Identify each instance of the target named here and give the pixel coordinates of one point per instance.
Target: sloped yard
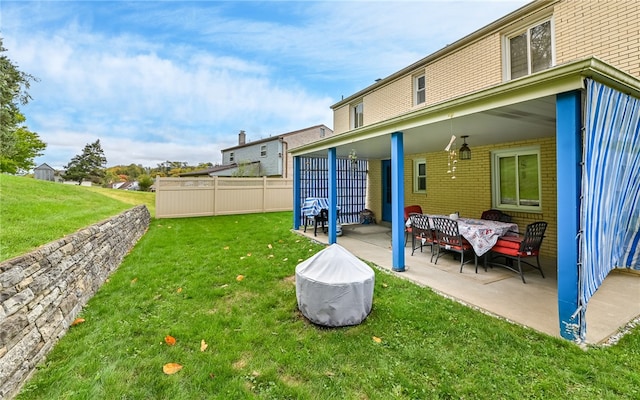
(223, 288)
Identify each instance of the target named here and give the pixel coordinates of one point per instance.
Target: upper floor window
(420, 176)
(530, 51)
(357, 115)
(263, 150)
(516, 181)
(419, 91)
(231, 157)
(322, 133)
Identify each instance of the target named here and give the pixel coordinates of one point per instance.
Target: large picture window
(420, 176)
(530, 51)
(516, 179)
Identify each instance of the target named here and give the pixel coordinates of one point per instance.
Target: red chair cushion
(510, 251)
(511, 242)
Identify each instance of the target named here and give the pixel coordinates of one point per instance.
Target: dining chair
(449, 239)
(491, 215)
(409, 210)
(515, 248)
(422, 235)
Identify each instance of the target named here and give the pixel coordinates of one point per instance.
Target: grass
(182, 280)
(34, 212)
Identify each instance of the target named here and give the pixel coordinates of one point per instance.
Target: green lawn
(228, 281)
(34, 212)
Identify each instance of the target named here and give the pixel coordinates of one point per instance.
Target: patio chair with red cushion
(515, 248)
(449, 239)
(422, 235)
(409, 210)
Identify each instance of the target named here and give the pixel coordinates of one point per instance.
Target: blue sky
(175, 80)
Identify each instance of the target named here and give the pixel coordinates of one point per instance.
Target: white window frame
(231, 156)
(417, 176)
(417, 90)
(506, 45)
(357, 114)
(263, 150)
(496, 155)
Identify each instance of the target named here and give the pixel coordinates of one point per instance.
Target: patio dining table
(482, 234)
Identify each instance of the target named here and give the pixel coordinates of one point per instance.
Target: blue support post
(297, 206)
(397, 201)
(333, 195)
(569, 158)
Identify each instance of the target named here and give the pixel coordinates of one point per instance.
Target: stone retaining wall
(42, 292)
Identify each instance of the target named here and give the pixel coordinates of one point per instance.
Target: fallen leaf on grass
(270, 256)
(171, 368)
(179, 290)
(248, 254)
(377, 339)
(284, 259)
(270, 246)
(384, 285)
(77, 321)
(170, 340)
(203, 345)
(239, 278)
(134, 280)
(226, 247)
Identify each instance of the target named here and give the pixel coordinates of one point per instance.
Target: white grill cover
(334, 287)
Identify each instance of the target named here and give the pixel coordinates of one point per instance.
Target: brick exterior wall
(470, 192)
(473, 182)
(42, 292)
(606, 29)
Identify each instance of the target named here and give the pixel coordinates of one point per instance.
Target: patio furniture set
(493, 236)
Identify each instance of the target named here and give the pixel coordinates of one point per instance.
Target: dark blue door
(386, 190)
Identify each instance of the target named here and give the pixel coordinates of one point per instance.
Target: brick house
(550, 90)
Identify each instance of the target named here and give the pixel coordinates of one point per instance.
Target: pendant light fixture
(465, 151)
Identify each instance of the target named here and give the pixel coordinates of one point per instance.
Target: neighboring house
(271, 154)
(44, 172)
(546, 98)
(126, 185)
(232, 169)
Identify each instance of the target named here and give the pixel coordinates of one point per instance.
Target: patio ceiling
(522, 121)
(513, 111)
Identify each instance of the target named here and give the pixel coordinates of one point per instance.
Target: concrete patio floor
(498, 291)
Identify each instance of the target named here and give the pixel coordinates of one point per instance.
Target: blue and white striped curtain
(610, 208)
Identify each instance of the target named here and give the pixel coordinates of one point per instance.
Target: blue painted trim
(333, 195)
(397, 201)
(569, 157)
(297, 205)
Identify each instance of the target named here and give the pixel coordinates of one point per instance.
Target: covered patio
(587, 115)
(498, 291)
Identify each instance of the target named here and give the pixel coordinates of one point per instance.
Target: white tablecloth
(483, 234)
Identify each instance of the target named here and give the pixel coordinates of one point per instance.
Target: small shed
(44, 172)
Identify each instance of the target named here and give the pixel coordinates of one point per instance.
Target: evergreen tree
(90, 165)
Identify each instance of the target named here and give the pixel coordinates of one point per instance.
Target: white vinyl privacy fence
(196, 197)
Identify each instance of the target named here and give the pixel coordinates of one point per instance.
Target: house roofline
(559, 79)
(498, 24)
(272, 138)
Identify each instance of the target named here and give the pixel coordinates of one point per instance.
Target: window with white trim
(263, 150)
(530, 50)
(357, 115)
(231, 156)
(419, 90)
(516, 183)
(420, 176)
